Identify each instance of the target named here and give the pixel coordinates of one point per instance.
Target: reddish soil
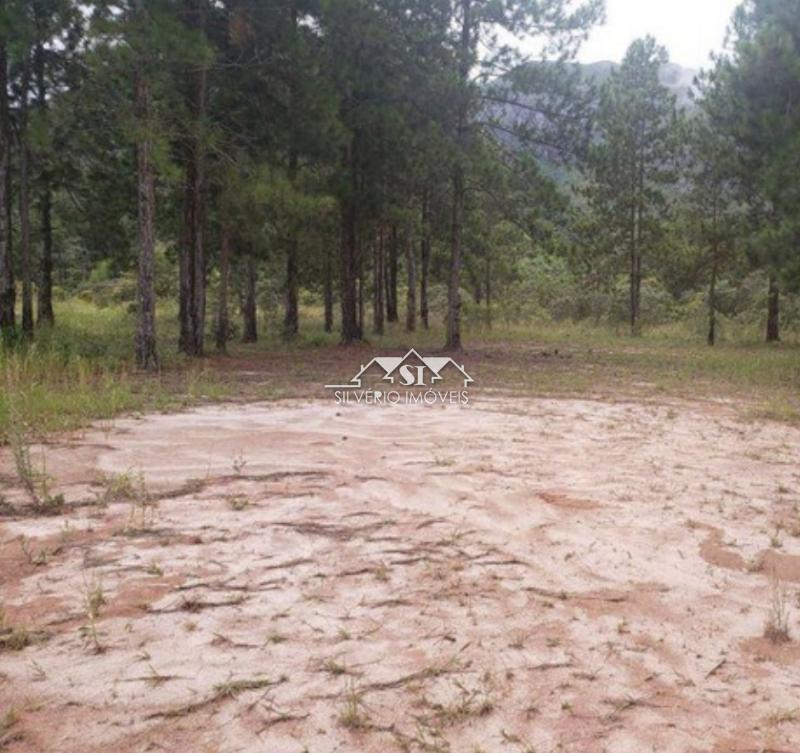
(518, 575)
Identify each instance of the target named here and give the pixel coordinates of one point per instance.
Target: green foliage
(753, 98)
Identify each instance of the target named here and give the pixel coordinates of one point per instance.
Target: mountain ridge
(677, 78)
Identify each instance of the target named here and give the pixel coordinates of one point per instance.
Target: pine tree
(758, 106)
(633, 159)
(712, 206)
(7, 290)
(478, 58)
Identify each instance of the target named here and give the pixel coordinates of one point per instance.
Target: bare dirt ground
(520, 575)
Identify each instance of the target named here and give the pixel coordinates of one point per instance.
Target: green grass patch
(82, 370)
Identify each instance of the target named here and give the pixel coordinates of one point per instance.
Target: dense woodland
(389, 161)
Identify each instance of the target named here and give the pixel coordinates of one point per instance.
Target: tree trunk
(378, 283)
(773, 311)
(635, 270)
(489, 289)
(291, 319)
(7, 319)
(145, 340)
(349, 268)
(249, 308)
(291, 323)
(192, 266)
(425, 261)
(636, 241)
(454, 283)
(457, 218)
(223, 325)
(327, 293)
(712, 301)
(411, 294)
(25, 205)
(635, 292)
(391, 277)
(45, 290)
(361, 284)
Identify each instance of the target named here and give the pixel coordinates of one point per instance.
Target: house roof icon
(391, 364)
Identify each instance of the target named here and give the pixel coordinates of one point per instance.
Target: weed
(353, 715)
(231, 688)
(143, 507)
(120, 487)
(238, 464)
(35, 482)
(93, 600)
(33, 558)
(155, 679)
(777, 627)
(8, 721)
(784, 716)
(334, 668)
(425, 738)
(468, 703)
(37, 671)
(12, 637)
(238, 503)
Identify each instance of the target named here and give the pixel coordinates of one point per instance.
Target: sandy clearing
(519, 575)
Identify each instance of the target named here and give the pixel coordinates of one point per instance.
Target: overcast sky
(689, 29)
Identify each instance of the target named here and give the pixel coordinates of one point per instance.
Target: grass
(82, 370)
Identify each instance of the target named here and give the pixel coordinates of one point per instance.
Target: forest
(236, 163)
(396, 375)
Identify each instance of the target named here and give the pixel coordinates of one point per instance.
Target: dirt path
(527, 575)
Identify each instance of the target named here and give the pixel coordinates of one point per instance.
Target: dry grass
(225, 690)
(777, 627)
(353, 715)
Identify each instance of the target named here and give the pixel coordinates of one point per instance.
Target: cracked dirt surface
(519, 575)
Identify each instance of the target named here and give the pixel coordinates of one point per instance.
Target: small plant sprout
(239, 463)
(93, 600)
(143, 507)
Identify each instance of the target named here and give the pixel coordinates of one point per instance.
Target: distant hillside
(675, 77)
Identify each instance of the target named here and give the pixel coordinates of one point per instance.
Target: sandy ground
(526, 575)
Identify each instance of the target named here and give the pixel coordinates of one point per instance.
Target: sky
(689, 29)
